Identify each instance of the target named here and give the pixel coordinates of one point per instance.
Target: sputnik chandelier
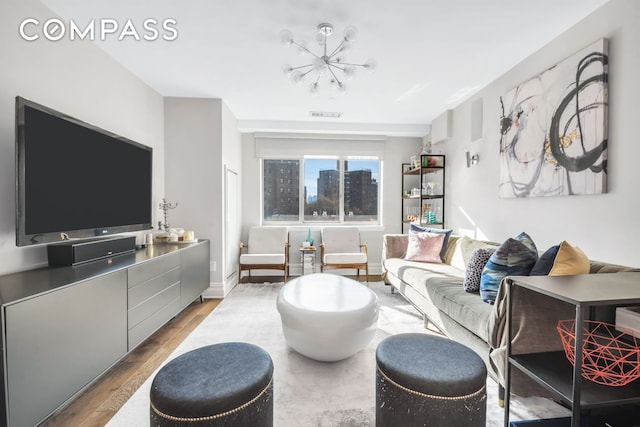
(329, 63)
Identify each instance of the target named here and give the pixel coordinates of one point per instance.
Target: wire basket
(609, 357)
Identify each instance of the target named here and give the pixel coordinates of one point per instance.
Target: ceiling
(430, 54)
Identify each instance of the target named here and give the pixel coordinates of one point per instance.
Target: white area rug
(307, 392)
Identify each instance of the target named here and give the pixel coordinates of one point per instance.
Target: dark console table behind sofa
(63, 327)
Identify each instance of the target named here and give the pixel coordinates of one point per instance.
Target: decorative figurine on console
(165, 206)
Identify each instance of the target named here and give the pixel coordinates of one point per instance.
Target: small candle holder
(165, 206)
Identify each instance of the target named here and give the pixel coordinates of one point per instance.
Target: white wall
(605, 226)
(231, 159)
(200, 138)
(76, 78)
(397, 151)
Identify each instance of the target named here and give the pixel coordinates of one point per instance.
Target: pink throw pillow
(424, 247)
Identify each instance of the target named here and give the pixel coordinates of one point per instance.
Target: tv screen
(76, 180)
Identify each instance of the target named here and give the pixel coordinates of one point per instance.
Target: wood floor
(96, 405)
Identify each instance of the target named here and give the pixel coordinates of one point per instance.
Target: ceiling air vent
(325, 114)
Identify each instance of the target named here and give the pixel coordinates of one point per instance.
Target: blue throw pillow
(515, 257)
(446, 232)
(545, 262)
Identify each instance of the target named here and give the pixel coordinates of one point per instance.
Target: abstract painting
(553, 129)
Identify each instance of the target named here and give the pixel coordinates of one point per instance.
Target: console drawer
(143, 291)
(150, 269)
(152, 323)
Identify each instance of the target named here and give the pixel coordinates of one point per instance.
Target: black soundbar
(74, 252)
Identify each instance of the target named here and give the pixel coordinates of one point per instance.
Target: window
(278, 205)
(321, 190)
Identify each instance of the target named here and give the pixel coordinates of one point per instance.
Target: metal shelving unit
(428, 181)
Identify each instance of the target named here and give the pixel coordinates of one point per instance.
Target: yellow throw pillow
(569, 260)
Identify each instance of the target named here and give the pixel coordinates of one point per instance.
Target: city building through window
(321, 191)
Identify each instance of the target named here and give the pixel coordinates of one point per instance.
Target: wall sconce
(472, 159)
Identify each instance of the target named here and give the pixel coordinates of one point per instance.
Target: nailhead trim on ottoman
(228, 384)
(425, 380)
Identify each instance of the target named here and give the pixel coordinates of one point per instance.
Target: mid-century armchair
(267, 249)
(341, 248)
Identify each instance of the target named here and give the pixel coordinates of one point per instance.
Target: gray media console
(63, 327)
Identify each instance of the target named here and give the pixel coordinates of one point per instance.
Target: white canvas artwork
(553, 129)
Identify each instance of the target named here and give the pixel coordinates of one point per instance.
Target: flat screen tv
(75, 180)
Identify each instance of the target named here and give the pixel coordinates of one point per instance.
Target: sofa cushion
(412, 272)
(345, 258)
(262, 259)
(476, 264)
(446, 232)
(569, 260)
(465, 247)
(424, 246)
(465, 308)
(515, 257)
(442, 284)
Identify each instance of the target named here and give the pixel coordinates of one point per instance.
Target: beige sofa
(436, 291)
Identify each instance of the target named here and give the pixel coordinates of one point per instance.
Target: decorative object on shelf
(309, 239)
(431, 161)
(472, 159)
(415, 162)
(429, 188)
(609, 357)
(329, 62)
(426, 145)
(165, 206)
(553, 129)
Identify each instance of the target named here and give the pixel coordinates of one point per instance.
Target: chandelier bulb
(297, 77)
(286, 37)
(370, 65)
(350, 33)
(349, 71)
(287, 69)
(314, 88)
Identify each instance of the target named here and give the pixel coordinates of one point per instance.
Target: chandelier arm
(301, 66)
(334, 75)
(337, 49)
(337, 67)
(354, 65)
(305, 49)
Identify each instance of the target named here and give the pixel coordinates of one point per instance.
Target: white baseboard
(220, 289)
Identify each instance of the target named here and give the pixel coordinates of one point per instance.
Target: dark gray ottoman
(227, 384)
(425, 380)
